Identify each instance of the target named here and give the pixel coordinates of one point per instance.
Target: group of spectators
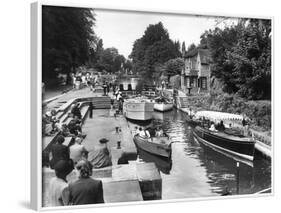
(66, 158)
(80, 80)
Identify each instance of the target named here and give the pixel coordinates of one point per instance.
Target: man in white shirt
(58, 184)
(77, 151)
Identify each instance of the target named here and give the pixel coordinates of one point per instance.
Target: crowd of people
(64, 159)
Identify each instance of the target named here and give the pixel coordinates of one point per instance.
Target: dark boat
(193, 121)
(160, 146)
(235, 144)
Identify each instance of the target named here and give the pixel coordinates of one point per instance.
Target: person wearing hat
(58, 151)
(100, 156)
(58, 184)
(85, 190)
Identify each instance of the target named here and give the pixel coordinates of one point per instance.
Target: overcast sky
(120, 29)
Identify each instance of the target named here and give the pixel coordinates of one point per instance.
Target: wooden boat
(162, 104)
(138, 109)
(160, 146)
(235, 144)
(193, 121)
(163, 107)
(162, 163)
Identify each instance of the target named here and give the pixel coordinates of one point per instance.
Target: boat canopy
(218, 116)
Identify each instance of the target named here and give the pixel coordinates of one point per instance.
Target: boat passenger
(159, 132)
(147, 134)
(142, 133)
(221, 126)
(137, 131)
(213, 128)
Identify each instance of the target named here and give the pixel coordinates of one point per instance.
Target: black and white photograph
(145, 107)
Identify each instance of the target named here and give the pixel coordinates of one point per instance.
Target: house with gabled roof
(195, 76)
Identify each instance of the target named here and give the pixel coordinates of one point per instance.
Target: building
(195, 76)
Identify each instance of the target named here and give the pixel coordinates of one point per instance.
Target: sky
(120, 29)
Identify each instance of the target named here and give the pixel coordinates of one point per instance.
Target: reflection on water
(198, 170)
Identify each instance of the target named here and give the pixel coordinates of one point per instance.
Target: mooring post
(237, 177)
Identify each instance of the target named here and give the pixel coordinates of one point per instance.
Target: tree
(174, 67)
(67, 39)
(241, 57)
(110, 60)
(153, 49)
(251, 60)
(183, 49)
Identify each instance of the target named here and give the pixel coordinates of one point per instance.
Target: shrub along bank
(259, 112)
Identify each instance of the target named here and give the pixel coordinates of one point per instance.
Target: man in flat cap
(100, 156)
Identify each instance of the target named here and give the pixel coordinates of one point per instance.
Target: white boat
(162, 104)
(162, 107)
(138, 109)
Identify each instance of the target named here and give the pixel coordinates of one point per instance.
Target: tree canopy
(67, 38)
(152, 50)
(241, 57)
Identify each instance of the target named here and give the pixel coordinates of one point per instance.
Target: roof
(204, 54)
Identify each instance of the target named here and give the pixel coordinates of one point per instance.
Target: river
(196, 170)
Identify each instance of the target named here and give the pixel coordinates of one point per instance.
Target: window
(204, 83)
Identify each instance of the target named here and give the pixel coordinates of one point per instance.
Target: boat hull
(163, 150)
(193, 122)
(239, 146)
(163, 107)
(140, 111)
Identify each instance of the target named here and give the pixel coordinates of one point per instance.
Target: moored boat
(163, 104)
(193, 121)
(138, 109)
(163, 107)
(160, 146)
(235, 144)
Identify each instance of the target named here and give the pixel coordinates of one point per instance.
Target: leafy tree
(174, 67)
(110, 60)
(251, 60)
(241, 57)
(67, 39)
(153, 49)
